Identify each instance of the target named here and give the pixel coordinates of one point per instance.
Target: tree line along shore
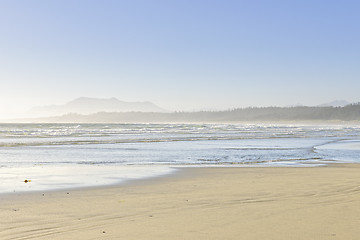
(299, 113)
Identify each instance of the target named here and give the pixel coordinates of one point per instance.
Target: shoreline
(175, 172)
(171, 170)
(197, 203)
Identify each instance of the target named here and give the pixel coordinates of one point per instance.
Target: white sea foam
(52, 151)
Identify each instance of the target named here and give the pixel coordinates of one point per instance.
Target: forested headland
(300, 113)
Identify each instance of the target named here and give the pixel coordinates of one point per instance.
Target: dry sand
(197, 203)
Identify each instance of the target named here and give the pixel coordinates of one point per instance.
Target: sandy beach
(197, 203)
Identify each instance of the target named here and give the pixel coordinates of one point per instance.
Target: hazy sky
(179, 54)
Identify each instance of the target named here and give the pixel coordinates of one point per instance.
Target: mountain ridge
(88, 105)
(336, 103)
(347, 113)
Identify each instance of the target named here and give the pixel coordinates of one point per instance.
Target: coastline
(197, 203)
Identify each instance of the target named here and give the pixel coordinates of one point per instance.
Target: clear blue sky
(179, 54)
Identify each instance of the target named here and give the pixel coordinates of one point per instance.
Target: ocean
(63, 156)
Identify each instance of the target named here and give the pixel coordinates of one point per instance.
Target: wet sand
(197, 203)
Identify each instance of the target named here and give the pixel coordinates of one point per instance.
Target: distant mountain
(85, 105)
(349, 112)
(336, 103)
